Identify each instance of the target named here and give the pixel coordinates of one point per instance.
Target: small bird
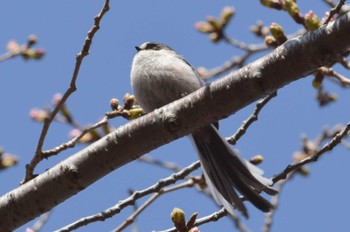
(160, 76)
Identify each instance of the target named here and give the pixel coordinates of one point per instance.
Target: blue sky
(316, 203)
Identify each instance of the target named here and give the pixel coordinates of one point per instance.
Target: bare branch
(254, 117)
(345, 82)
(247, 47)
(335, 10)
(24, 50)
(215, 217)
(239, 61)
(72, 143)
(131, 199)
(327, 147)
(168, 165)
(72, 87)
(131, 218)
(250, 49)
(275, 201)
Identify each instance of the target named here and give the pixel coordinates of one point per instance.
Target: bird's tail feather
(226, 173)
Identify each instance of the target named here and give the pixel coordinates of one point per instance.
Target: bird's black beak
(137, 48)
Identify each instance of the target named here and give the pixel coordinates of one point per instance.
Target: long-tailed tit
(159, 76)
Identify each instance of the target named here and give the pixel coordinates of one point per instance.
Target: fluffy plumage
(159, 76)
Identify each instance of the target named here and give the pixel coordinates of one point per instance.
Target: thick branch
(289, 62)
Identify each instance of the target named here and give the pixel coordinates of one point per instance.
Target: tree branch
(289, 62)
(157, 187)
(252, 118)
(38, 156)
(215, 217)
(132, 217)
(313, 158)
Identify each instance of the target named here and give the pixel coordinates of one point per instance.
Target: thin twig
(72, 87)
(72, 142)
(218, 215)
(307, 146)
(252, 118)
(275, 202)
(313, 158)
(247, 47)
(345, 82)
(335, 10)
(212, 218)
(137, 212)
(20, 51)
(236, 61)
(250, 49)
(167, 165)
(131, 199)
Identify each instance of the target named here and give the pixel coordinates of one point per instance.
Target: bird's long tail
(226, 173)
